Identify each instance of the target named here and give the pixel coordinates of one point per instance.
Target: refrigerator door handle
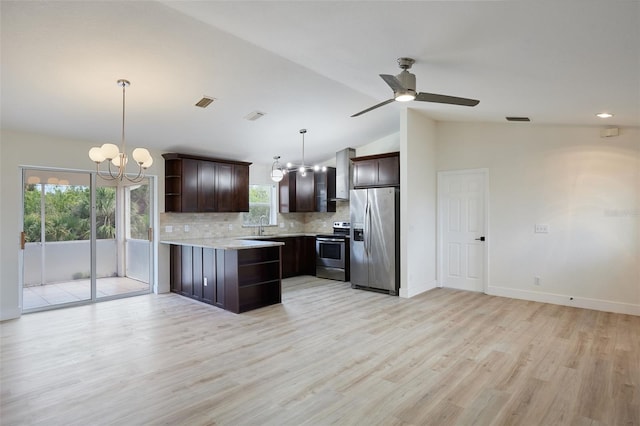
(366, 228)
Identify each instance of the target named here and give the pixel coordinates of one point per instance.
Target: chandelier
(116, 157)
(278, 172)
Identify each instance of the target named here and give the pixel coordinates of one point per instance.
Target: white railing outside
(71, 260)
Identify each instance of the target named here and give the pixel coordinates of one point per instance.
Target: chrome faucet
(261, 226)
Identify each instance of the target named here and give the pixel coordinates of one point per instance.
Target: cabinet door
(175, 259)
(290, 263)
(206, 186)
(389, 171)
(224, 187)
(365, 173)
(305, 192)
(287, 189)
(187, 271)
(308, 263)
(325, 190)
(240, 188)
(197, 273)
(189, 185)
(208, 275)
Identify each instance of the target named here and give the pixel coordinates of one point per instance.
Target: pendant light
(117, 158)
(277, 171)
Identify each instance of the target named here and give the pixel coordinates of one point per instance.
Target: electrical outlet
(541, 228)
(281, 224)
(168, 229)
(230, 227)
(186, 228)
(536, 280)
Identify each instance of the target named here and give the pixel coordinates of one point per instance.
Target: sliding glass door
(84, 239)
(123, 246)
(56, 238)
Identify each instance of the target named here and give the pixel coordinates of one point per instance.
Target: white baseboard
(559, 299)
(417, 288)
(11, 313)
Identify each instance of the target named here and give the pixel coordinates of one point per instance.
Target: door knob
(480, 239)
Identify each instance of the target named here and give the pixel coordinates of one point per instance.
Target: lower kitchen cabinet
(298, 255)
(235, 280)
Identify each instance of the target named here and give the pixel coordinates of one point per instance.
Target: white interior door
(462, 226)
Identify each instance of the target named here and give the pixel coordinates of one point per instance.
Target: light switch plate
(168, 229)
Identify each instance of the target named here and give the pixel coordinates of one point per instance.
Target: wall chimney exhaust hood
(344, 180)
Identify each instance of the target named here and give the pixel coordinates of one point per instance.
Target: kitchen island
(234, 274)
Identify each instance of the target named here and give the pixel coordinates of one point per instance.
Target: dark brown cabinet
(235, 280)
(376, 170)
(312, 192)
(193, 274)
(252, 278)
(200, 184)
(298, 255)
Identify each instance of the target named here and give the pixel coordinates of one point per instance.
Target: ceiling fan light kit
(117, 156)
(404, 90)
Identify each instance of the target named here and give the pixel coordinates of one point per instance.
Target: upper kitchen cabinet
(310, 193)
(376, 170)
(201, 184)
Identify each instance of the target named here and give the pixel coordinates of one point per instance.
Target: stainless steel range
(332, 253)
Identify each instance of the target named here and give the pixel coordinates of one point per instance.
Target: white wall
(27, 149)
(586, 188)
(417, 203)
(390, 143)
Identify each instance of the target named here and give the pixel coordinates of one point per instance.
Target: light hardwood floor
(327, 355)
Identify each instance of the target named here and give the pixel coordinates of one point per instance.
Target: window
(262, 202)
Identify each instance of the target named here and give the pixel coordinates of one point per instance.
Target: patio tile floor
(78, 290)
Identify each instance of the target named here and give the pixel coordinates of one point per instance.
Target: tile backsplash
(222, 225)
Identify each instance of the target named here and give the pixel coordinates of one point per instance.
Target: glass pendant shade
(276, 170)
(140, 155)
(277, 175)
(110, 151)
(96, 154)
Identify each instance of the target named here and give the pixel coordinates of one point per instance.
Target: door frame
(153, 250)
(439, 220)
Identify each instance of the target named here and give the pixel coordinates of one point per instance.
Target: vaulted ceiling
(308, 64)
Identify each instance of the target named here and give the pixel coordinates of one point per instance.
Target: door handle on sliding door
(22, 240)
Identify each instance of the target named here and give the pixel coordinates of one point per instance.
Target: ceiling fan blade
(444, 99)
(393, 82)
(373, 107)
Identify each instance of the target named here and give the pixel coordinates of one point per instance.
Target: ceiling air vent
(253, 116)
(205, 102)
(517, 118)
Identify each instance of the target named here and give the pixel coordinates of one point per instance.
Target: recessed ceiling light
(604, 115)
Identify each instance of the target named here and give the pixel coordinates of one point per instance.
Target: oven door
(330, 252)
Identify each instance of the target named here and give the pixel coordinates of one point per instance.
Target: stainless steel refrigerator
(375, 233)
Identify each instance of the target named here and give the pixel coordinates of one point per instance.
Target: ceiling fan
(404, 89)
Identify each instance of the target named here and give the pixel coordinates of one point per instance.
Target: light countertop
(223, 243)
